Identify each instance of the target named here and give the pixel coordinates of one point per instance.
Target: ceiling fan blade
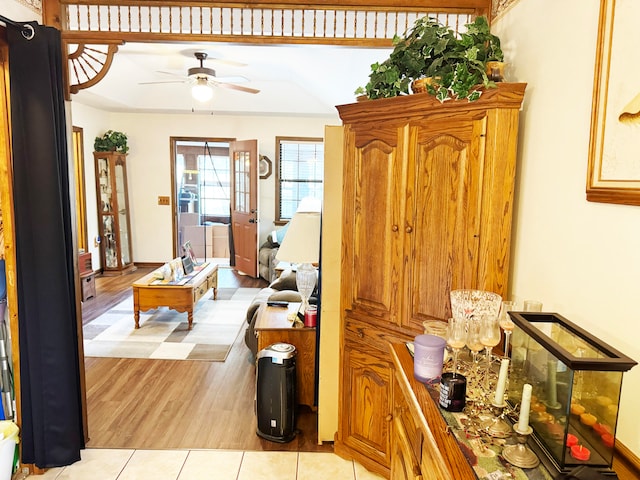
(165, 81)
(231, 79)
(170, 73)
(232, 86)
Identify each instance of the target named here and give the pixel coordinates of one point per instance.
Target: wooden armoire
(427, 208)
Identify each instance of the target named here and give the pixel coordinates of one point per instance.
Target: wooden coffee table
(150, 293)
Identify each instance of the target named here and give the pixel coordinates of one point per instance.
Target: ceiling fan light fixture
(201, 91)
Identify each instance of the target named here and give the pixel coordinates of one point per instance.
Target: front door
(244, 205)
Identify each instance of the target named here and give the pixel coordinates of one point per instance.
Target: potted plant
(464, 72)
(361, 94)
(487, 47)
(450, 66)
(422, 50)
(111, 141)
(387, 80)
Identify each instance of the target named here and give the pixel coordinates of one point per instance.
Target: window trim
(277, 220)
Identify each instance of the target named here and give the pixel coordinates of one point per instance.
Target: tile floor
(126, 464)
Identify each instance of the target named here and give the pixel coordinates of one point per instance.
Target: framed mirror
(265, 166)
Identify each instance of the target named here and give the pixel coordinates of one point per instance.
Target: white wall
(18, 12)
(581, 259)
(149, 165)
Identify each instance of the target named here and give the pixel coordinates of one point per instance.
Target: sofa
(267, 261)
(284, 289)
(267, 253)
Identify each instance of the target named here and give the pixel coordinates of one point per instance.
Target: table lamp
(301, 246)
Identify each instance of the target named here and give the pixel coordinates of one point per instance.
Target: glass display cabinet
(576, 381)
(113, 212)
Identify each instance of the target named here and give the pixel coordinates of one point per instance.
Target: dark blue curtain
(52, 429)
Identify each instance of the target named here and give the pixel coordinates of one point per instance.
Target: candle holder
(519, 454)
(497, 426)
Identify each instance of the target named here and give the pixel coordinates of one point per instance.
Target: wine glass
(473, 339)
(475, 346)
(489, 337)
(456, 337)
(506, 323)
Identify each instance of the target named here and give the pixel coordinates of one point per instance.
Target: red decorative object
(580, 453)
(601, 428)
(571, 440)
(608, 440)
(310, 316)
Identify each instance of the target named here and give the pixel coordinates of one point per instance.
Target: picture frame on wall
(613, 174)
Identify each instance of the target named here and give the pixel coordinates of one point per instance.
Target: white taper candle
(502, 382)
(525, 404)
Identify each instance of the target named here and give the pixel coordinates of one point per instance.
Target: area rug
(164, 333)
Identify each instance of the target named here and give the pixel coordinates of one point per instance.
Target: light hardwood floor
(168, 404)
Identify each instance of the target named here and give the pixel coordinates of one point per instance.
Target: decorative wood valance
(92, 29)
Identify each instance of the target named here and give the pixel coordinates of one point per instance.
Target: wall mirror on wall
(266, 167)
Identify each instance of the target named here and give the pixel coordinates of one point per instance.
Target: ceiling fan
(202, 79)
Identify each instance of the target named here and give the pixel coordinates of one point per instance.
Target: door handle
(252, 220)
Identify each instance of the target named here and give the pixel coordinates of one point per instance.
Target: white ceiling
(293, 80)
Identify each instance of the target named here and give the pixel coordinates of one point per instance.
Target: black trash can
(276, 392)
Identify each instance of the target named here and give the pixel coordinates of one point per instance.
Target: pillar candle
(523, 419)
(571, 440)
(588, 419)
(577, 409)
(580, 453)
(502, 382)
(552, 395)
(608, 440)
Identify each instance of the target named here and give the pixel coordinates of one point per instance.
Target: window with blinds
(300, 172)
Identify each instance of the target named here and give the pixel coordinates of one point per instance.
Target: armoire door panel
(366, 412)
(374, 220)
(497, 199)
(446, 176)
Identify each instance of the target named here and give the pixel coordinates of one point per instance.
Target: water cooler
(276, 392)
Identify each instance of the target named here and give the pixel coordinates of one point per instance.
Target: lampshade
(201, 90)
(309, 204)
(301, 243)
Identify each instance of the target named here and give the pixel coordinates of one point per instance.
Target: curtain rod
(27, 30)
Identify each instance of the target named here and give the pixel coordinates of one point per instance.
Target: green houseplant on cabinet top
(111, 141)
(454, 64)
